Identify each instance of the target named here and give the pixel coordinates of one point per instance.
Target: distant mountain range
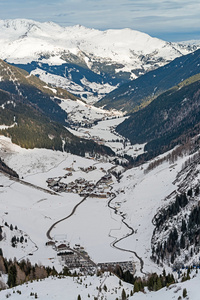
(88, 62)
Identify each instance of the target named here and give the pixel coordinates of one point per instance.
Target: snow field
(88, 288)
(69, 288)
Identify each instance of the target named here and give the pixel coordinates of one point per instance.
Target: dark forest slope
(170, 119)
(138, 93)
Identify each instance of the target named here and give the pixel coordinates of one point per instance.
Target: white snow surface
(104, 132)
(87, 287)
(69, 288)
(85, 114)
(23, 41)
(88, 89)
(94, 225)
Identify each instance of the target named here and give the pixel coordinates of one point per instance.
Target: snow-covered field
(94, 225)
(32, 206)
(88, 288)
(105, 133)
(85, 114)
(69, 288)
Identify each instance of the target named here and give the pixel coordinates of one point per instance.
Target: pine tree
(159, 284)
(183, 226)
(105, 288)
(182, 242)
(136, 287)
(184, 293)
(196, 191)
(12, 275)
(123, 295)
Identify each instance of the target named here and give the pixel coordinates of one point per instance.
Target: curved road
(73, 211)
(129, 234)
(48, 234)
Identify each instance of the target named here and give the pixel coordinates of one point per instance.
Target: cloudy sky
(169, 20)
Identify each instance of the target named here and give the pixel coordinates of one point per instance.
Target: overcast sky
(169, 20)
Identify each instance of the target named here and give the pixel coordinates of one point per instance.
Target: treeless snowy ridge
(25, 40)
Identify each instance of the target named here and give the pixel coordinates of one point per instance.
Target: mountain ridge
(116, 56)
(170, 119)
(31, 115)
(137, 93)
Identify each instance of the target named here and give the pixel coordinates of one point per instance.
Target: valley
(99, 173)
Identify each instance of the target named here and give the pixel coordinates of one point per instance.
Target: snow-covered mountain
(68, 196)
(90, 56)
(27, 40)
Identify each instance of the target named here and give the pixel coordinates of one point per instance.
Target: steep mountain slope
(20, 83)
(168, 120)
(110, 57)
(139, 92)
(76, 79)
(31, 116)
(175, 239)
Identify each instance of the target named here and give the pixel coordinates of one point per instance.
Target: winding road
(113, 244)
(48, 234)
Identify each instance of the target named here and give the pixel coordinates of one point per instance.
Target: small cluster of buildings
(81, 186)
(88, 169)
(76, 258)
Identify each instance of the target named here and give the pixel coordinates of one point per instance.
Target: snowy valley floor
(94, 225)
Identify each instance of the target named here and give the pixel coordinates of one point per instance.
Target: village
(76, 257)
(81, 186)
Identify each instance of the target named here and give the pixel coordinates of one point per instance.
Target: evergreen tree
(21, 239)
(12, 276)
(184, 293)
(105, 288)
(183, 226)
(158, 284)
(182, 242)
(136, 287)
(123, 295)
(196, 191)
